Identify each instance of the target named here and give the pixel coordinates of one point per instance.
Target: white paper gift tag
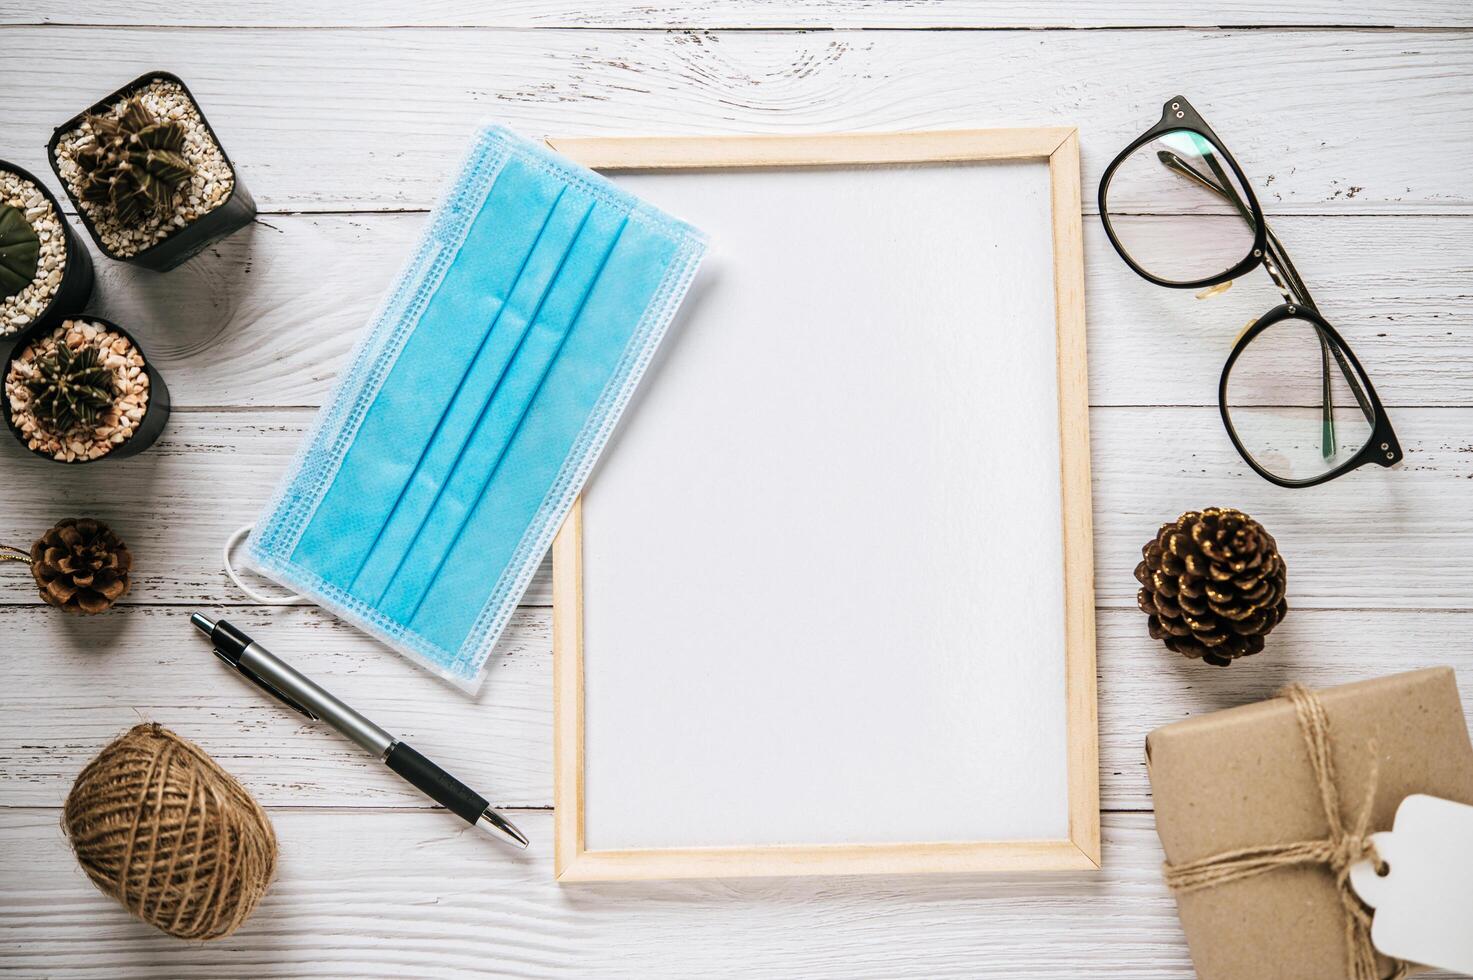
(1424, 902)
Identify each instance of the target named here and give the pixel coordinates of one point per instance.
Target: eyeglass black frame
(1382, 448)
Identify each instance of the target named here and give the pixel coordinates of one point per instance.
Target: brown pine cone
(81, 566)
(1213, 585)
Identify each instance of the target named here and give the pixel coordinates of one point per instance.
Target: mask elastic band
(292, 599)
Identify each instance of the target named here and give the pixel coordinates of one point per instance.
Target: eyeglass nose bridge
(1277, 276)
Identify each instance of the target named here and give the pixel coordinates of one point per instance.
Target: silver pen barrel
(264, 664)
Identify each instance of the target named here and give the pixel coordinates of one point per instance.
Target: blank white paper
(823, 559)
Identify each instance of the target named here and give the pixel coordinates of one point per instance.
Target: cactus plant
(71, 387)
(20, 250)
(134, 162)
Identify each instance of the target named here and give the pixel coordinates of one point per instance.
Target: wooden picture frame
(1080, 849)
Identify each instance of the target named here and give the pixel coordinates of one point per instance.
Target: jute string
(1341, 849)
(160, 827)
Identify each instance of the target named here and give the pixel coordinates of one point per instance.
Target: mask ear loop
(291, 599)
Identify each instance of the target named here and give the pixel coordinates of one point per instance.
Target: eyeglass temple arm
(1279, 257)
(1290, 284)
(1293, 289)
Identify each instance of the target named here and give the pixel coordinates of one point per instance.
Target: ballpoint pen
(287, 685)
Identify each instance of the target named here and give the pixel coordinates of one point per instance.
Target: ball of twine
(160, 827)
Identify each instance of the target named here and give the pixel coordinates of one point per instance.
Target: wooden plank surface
(752, 14)
(75, 685)
(461, 907)
(1395, 286)
(344, 118)
(319, 119)
(1398, 538)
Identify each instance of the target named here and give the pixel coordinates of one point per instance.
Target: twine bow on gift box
(1341, 849)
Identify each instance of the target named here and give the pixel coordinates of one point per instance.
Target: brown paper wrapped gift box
(1242, 778)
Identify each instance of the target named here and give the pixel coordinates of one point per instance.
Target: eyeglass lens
(1296, 403)
(1177, 209)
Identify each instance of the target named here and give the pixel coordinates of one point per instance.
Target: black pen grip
(436, 783)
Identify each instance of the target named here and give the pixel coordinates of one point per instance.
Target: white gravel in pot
(208, 188)
(20, 310)
(115, 427)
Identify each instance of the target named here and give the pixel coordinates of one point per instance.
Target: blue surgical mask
(438, 473)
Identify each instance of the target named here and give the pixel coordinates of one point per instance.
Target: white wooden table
(1355, 121)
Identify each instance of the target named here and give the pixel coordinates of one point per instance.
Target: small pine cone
(81, 566)
(1213, 585)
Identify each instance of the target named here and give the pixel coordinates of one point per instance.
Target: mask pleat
(470, 415)
(592, 364)
(418, 390)
(502, 416)
(490, 372)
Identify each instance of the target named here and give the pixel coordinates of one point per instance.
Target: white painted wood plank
(75, 685)
(175, 505)
(354, 119)
(752, 14)
(390, 895)
(370, 119)
(403, 894)
(1376, 538)
(263, 318)
(88, 681)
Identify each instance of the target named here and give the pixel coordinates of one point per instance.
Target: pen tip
(202, 624)
(501, 828)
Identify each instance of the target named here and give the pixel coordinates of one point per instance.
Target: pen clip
(265, 686)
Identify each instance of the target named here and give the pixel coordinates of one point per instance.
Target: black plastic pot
(75, 290)
(237, 210)
(149, 427)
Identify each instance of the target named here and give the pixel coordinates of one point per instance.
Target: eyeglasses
(1295, 400)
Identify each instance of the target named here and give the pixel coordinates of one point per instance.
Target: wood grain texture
(567, 691)
(782, 861)
(461, 906)
(1080, 688)
(1399, 538)
(319, 120)
(77, 684)
(431, 903)
(638, 153)
(91, 679)
(747, 14)
(1396, 287)
(360, 119)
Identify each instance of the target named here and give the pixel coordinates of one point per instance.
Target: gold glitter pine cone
(1213, 584)
(81, 566)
